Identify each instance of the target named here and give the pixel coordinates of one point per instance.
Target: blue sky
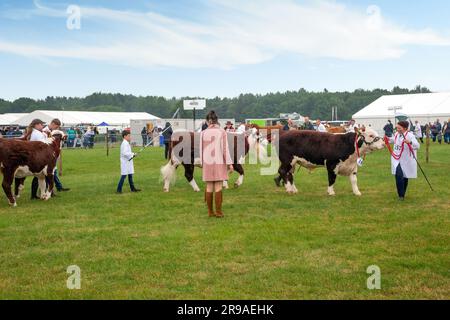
(221, 48)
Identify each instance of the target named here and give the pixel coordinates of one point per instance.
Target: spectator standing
(388, 129)
(320, 126)
(167, 134)
(446, 131)
(308, 125)
(144, 135)
(418, 131)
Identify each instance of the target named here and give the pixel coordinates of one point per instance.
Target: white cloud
(235, 33)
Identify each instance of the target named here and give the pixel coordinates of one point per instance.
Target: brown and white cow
(239, 145)
(20, 159)
(338, 153)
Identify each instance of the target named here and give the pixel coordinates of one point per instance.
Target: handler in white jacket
(403, 160)
(126, 163)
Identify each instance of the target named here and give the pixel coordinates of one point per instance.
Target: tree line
(313, 104)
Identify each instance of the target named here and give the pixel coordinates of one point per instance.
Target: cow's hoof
(236, 185)
(358, 194)
(332, 194)
(166, 190)
(13, 204)
(196, 190)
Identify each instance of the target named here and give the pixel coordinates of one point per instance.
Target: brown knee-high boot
(219, 213)
(209, 202)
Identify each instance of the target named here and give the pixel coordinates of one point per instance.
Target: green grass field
(270, 245)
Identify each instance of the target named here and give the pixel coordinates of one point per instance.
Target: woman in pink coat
(215, 162)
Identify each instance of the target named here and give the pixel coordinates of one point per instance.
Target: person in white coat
(35, 133)
(404, 155)
(126, 163)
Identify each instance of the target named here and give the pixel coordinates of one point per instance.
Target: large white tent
(424, 107)
(11, 118)
(73, 118)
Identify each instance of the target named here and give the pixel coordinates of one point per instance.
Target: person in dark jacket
(167, 134)
(389, 129)
(144, 136)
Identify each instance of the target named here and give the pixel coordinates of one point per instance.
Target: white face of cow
(372, 141)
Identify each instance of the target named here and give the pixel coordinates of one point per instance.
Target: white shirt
(407, 161)
(126, 165)
(241, 128)
(321, 128)
(37, 135)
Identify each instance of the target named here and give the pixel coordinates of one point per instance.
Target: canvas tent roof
(69, 118)
(10, 118)
(413, 105)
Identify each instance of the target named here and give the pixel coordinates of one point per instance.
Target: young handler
(126, 163)
(404, 165)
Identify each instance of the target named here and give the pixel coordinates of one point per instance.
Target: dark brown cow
(338, 153)
(20, 159)
(238, 153)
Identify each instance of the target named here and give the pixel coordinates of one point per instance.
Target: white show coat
(126, 165)
(407, 161)
(37, 135)
(321, 128)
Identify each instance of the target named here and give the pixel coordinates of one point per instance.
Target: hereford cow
(20, 159)
(239, 144)
(338, 153)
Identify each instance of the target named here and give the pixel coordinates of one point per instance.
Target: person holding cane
(404, 155)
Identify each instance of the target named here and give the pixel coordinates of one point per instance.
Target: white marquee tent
(424, 107)
(72, 118)
(10, 118)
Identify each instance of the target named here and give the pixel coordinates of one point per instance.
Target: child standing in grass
(126, 163)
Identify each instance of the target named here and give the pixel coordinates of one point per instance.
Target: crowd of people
(438, 132)
(10, 132)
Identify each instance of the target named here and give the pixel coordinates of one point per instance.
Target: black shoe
(63, 189)
(401, 198)
(35, 198)
(118, 192)
(136, 190)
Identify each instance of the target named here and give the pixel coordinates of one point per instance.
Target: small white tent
(424, 107)
(73, 118)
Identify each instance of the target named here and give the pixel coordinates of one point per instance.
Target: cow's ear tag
(360, 162)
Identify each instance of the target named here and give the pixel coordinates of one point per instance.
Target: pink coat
(215, 154)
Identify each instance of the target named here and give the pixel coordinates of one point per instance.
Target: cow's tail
(168, 175)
